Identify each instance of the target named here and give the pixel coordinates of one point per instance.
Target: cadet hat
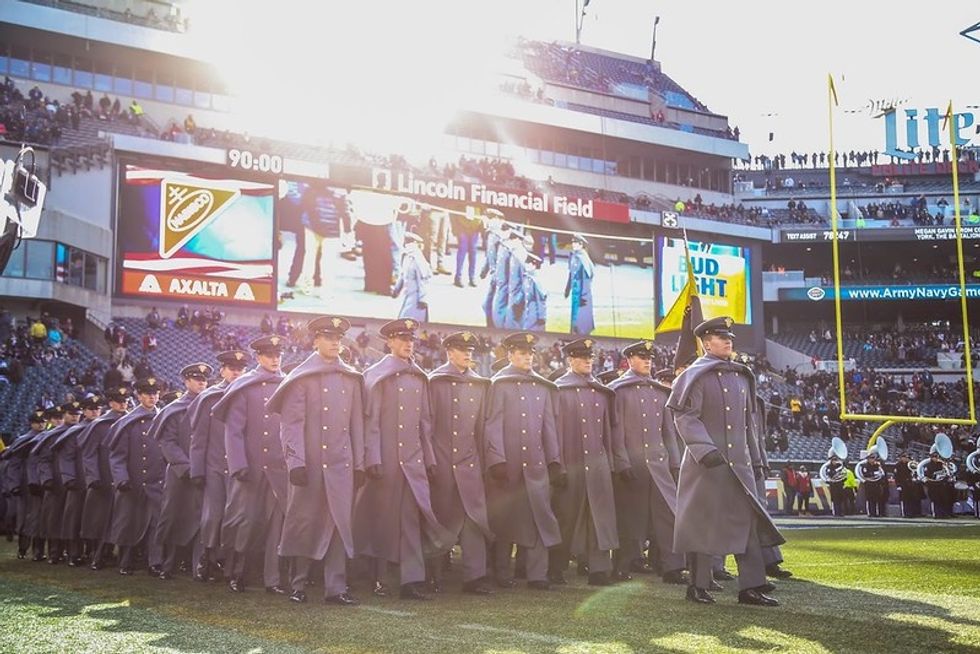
(198, 371)
(664, 375)
(233, 358)
(498, 365)
(336, 325)
(119, 394)
(148, 385)
(401, 327)
(268, 344)
(607, 376)
(171, 396)
(520, 341)
(411, 237)
(642, 349)
(54, 412)
(555, 374)
(93, 402)
(580, 348)
(578, 238)
(720, 326)
(74, 408)
(461, 341)
(37, 417)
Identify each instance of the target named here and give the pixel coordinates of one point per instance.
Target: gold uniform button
(524, 447)
(324, 465)
(324, 429)
(323, 447)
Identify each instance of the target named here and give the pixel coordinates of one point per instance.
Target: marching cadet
(413, 279)
(535, 299)
(49, 474)
(516, 268)
(393, 518)
(585, 506)
(494, 235)
(646, 505)
(93, 443)
(208, 463)
(523, 461)
(718, 509)
(137, 469)
(15, 476)
(55, 417)
(578, 287)
(257, 494)
(69, 461)
(501, 271)
(180, 510)
(322, 415)
(457, 396)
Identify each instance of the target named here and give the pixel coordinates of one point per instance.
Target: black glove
(71, 485)
(358, 479)
(498, 472)
(241, 475)
(713, 459)
(558, 478)
(124, 486)
(375, 472)
(297, 476)
(627, 476)
(430, 472)
(15, 491)
(185, 475)
(197, 482)
(48, 485)
(35, 489)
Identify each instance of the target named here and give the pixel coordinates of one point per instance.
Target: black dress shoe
(21, 554)
(778, 573)
(38, 558)
(379, 589)
(476, 587)
(622, 576)
(766, 588)
(505, 583)
(674, 577)
(298, 597)
(557, 579)
(166, 576)
(275, 590)
(154, 570)
(699, 595)
(722, 575)
(96, 565)
(539, 585)
(126, 572)
(715, 586)
(756, 598)
(599, 579)
(54, 560)
(582, 569)
(411, 592)
(75, 562)
(237, 585)
(344, 599)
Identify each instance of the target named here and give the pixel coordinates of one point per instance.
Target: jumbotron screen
(194, 237)
(722, 273)
(438, 253)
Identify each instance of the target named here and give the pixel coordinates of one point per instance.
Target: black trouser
(837, 498)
